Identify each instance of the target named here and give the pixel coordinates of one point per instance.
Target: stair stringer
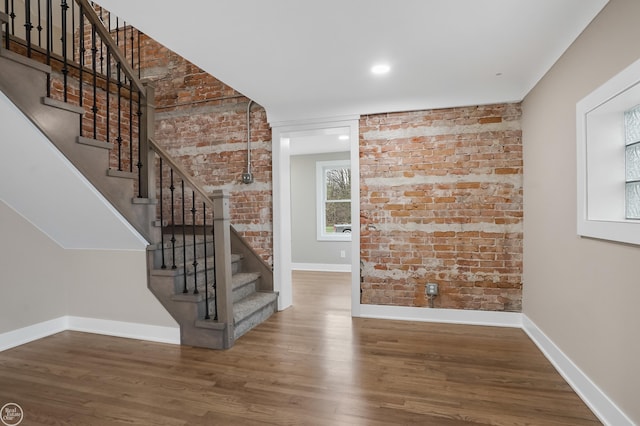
(24, 82)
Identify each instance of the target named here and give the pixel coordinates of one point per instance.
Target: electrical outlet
(432, 289)
(343, 254)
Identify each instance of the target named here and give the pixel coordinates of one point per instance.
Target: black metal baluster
(131, 37)
(39, 27)
(173, 223)
(206, 272)
(119, 138)
(81, 58)
(124, 38)
(73, 26)
(164, 266)
(49, 42)
(7, 29)
(118, 66)
(28, 26)
(124, 23)
(94, 69)
(12, 15)
(139, 115)
(184, 242)
(124, 49)
(101, 49)
(139, 55)
(131, 128)
(195, 254)
(215, 284)
(108, 95)
(65, 68)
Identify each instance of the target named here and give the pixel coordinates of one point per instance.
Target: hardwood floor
(311, 364)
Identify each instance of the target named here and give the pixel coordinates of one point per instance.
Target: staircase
(200, 269)
(174, 287)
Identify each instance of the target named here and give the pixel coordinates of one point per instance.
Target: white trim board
(152, 333)
(129, 330)
(599, 403)
(24, 335)
(321, 267)
(451, 316)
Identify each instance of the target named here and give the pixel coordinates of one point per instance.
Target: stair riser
(200, 276)
(236, 264)
(202, 337)
(244, 291)
(180, 253)
(238, 293)
(255, 319)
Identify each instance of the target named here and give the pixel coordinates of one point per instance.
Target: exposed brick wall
(441, 201)
(202, 123)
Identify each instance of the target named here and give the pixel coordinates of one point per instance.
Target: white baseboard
(129, 330)
(321, 267)
(452, 316)
(605, 409)
(18, 337)
(152, 333)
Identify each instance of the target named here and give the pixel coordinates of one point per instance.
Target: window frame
(321, 168)
(601, 169)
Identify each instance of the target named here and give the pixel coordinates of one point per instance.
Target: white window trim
(601, 171)
(321, 167)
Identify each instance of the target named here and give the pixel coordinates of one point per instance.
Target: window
(608, 147)
(333, 179)
(632, 162)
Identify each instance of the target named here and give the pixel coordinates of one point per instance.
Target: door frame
(282, 133)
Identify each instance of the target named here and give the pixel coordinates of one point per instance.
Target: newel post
(147, 131)
(222, 241)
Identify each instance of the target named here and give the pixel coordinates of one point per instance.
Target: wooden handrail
(106, 38)
(184, 175)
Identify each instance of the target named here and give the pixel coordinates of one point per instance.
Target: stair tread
(241, 278)
(246, 307)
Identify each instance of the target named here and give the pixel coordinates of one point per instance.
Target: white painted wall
(42, 281)
(582, 293)
(32, 282)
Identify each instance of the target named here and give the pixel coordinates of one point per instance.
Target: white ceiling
(305, 60)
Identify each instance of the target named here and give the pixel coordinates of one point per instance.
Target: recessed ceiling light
(380, 69)
(343, 137)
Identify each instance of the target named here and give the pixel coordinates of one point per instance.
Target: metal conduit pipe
(248, 177)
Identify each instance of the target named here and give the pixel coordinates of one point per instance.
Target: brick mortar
(441, 201)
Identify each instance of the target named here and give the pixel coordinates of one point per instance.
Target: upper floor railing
(95, 64)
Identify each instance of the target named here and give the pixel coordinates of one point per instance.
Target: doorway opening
(305, 235)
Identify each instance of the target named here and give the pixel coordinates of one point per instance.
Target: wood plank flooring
(309, 365)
